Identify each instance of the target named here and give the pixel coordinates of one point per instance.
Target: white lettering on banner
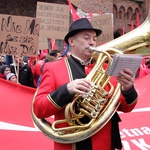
(134, 132)
(146, 130)
(126, 145)
(140, 144)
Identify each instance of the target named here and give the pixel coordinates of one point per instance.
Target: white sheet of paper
(124, 61)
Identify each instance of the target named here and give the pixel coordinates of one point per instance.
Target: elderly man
(64, 78)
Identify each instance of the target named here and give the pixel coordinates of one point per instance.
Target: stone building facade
(124, 11)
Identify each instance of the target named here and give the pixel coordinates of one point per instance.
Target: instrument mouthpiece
(92, 48)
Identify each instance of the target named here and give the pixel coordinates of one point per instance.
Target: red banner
(17, 131)
(135, 126)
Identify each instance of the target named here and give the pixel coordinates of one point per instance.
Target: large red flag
(73, 12)
(135, 126)
(17, 131)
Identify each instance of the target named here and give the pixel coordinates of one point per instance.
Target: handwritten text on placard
(19, 35)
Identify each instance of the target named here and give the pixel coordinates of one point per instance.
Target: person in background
(25, 73)
(55, 53)
(4, 70)
(11, 77)
(42, 56)
(147, 62)
(63, 79)
(48, 58)
(144, 68)
(2, 60)
(34, 64)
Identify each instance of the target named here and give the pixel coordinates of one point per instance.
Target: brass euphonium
(98, 104)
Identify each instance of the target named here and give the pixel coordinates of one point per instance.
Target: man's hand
(126, 79)
(79, 86)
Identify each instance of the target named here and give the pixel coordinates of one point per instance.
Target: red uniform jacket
(52, 96)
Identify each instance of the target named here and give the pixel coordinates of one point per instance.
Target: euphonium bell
(98, 104)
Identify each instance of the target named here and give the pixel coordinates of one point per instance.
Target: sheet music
(122, 61)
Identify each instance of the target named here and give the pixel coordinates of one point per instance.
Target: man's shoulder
(57, 65)
(56, 62)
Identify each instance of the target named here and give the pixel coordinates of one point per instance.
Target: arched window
(137, 17)
(122, 13)
(136, 12)
(129, 13)
(115, 11)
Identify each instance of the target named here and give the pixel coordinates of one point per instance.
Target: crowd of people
(26, 70)
(30, 68)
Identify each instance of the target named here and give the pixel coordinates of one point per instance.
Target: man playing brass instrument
(62, 79)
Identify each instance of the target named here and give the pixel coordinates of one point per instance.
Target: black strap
(84, 145)
(116, 140)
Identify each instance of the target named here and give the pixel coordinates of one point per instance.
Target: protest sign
(43, 43)
(19, 35)
(105, 23)
(54, 20)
